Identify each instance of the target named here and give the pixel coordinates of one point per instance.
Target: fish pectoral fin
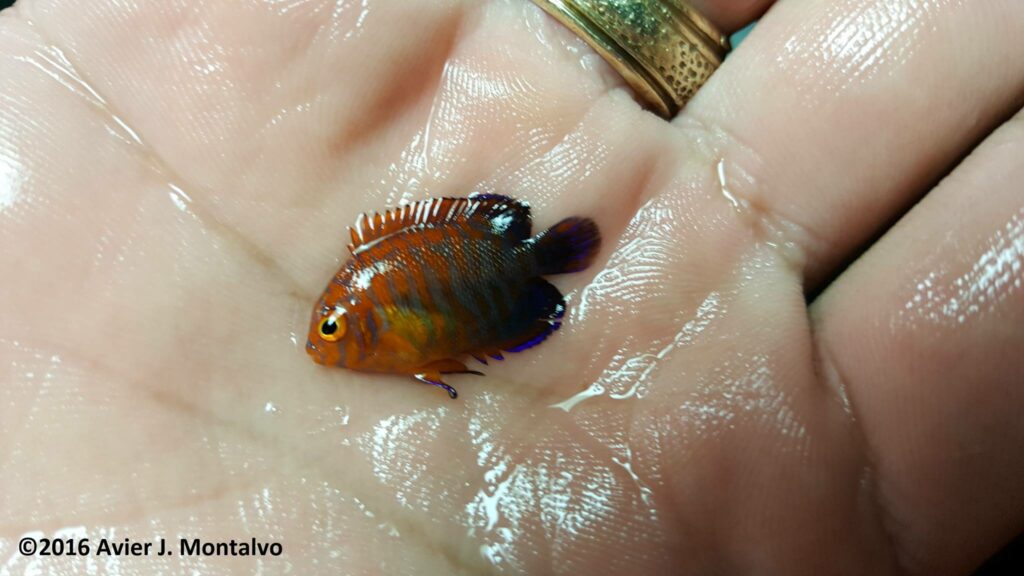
(434, 379)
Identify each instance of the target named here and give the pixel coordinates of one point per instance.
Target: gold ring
(664, 49)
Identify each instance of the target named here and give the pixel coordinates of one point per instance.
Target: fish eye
(330, 329)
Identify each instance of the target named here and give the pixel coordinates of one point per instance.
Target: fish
(437, 280)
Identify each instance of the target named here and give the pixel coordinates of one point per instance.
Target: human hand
(175, 183)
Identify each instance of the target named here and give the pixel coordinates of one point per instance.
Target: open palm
(176, 179)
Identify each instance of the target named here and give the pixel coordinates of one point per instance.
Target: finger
(924, 332)
(833, 116)
(731, 15)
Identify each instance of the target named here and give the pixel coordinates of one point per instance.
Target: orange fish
(438, 279)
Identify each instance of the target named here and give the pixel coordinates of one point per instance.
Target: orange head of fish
(333, 327)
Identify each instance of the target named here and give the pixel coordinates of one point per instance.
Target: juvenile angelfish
(436, 280)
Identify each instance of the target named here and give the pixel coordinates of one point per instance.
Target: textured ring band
(664, 49)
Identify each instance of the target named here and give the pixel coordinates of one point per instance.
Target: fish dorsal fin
(504, 215)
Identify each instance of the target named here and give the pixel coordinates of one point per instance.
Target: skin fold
(176, 179)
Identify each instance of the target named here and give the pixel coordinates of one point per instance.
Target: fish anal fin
(538, 332)
(545, 306)
(502, 214)
(482, 354)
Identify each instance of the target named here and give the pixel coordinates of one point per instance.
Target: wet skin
(175, 183)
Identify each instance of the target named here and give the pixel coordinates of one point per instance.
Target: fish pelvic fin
(433, 374)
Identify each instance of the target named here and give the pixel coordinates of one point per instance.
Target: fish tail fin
(569, 246)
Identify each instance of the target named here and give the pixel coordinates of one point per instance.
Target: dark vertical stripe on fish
(442, 302)
(456, 288)
(364, 332)
(371, 325)
(426, 297)
(483, 290)
(409, 291)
